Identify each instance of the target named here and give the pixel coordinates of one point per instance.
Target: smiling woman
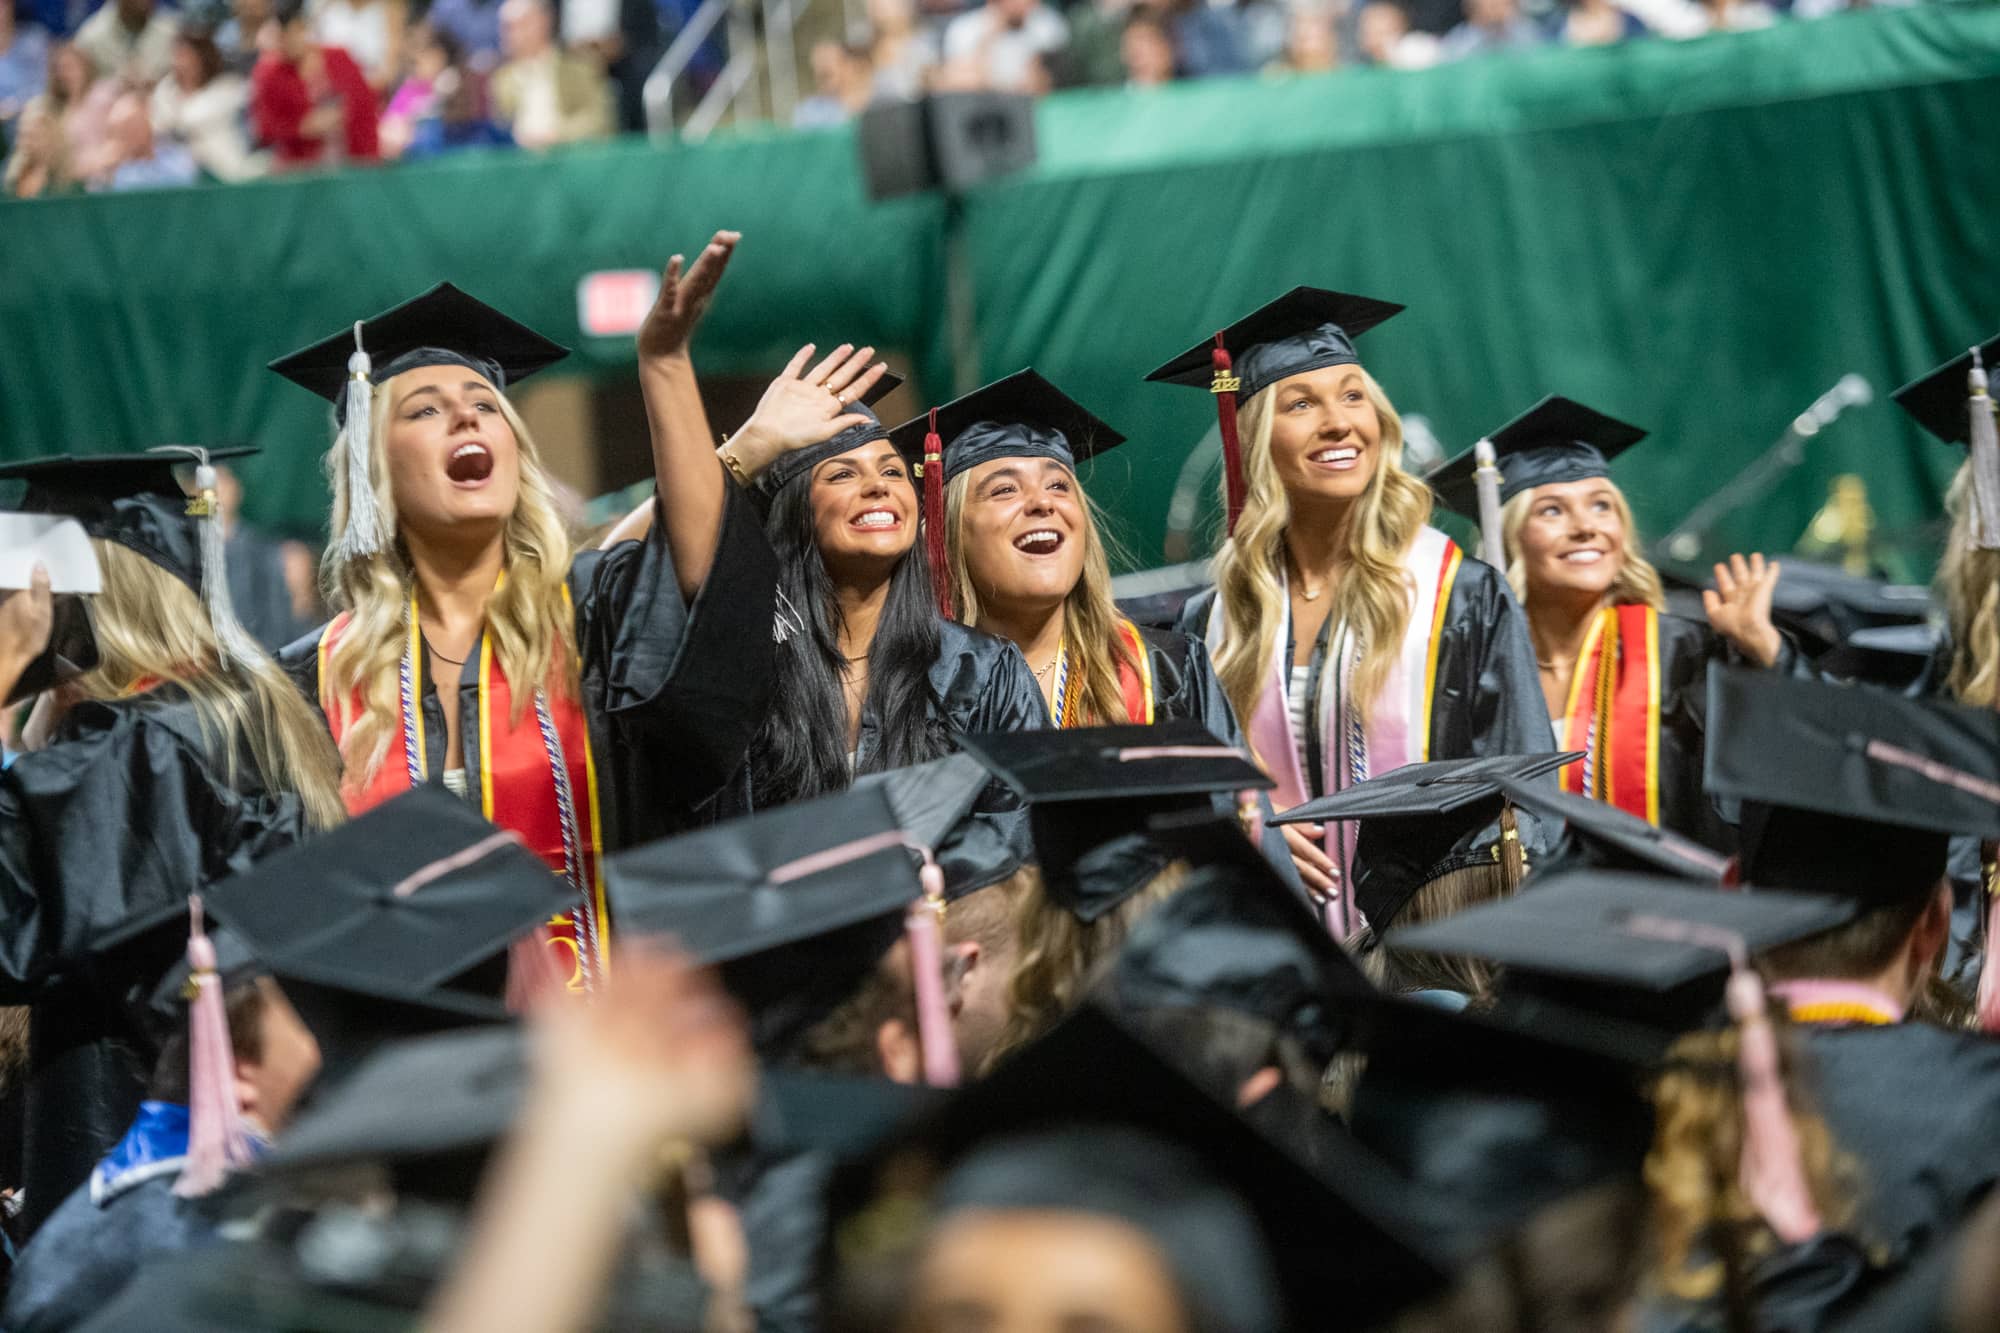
(1624, 681)
(1351, 637)
(586, 701)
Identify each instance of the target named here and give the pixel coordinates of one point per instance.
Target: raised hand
(1739, 606)
(25, 618)
(684, 298)
(804, 407)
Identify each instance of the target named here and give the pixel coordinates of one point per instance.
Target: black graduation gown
(1686, 649)
(672, 690)
(1488, 694)
(121, 814)
(980, 684)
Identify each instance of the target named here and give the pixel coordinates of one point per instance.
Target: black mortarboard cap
(971, 823)
(1613, 839)
(798, 462)
(1585, 931)
(1890, 655)
(441, 327)
(395, 923)
(1091, 1118)
(1021, 416)
(1308, 328)
(1556, 440)
(1236, 937)
(1422, 821)
(1094, 792)
(793, 948)
(135, 500)
(1938, 398)
(1849, 790)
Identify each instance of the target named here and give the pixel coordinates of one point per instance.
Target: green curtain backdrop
(1698, 236)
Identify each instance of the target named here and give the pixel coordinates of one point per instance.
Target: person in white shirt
(1002, 45)
(129, 39)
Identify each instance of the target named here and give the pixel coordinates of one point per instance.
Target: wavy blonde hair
(1638, 583)
(533, 627)
(1057, 956)
(1374, 594)
(151, 626)
(1090, 617)
(1968, 579)
(1694, 1170)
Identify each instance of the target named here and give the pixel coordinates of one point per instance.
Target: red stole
(520, 787)
(1614, 712)
(1135, 683)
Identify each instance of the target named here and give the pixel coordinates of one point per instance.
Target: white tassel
(1486, 480)
(1984, 460)
(365, 533)
(232, 642)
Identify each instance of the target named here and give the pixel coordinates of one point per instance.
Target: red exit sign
(613, 304)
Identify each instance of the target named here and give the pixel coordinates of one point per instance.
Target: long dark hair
(802, 750)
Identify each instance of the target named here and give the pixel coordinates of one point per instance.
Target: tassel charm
(1225, 387)
(217, 1143)
(1983, 459)
(365, 531)
(934, 543)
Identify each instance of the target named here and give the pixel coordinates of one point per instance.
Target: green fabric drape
(1696, 236)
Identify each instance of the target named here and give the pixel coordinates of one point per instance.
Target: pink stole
(1399, 725)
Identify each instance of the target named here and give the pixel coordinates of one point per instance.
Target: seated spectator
(901, 54)
(137, 158)
(1094, 56)
(1207, 41)
(129, 39)
(1735, 16)
(1148, 51)
(39, 165)
(459, 119)
(78, 103)
(432, 59)
(1490, 25)
(474, 25)
(543, 94)
(626, 40)
(24, 62)
(1003, 45)
(1597, 23)
(843, 84)
(369, 30)
(202, 105)
(1311, 44)
(1384, 37)
(236, 36)
(307, 101)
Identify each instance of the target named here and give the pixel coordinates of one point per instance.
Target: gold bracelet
(734, 465)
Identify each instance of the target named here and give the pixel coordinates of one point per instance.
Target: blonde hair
(1374, 594)
(1694, 1170)
(534, 635)
(1056, 956)
(1090, 617)
(150, 626)
(1449, 894)
(1968, 580)
(1637, 584)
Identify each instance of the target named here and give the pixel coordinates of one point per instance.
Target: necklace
(453, 661)
(1042, 673)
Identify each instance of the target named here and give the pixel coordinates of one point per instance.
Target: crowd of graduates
(816, 903)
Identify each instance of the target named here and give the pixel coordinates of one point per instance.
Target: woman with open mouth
(1350, 636)
(1624, 682)
(588, 701)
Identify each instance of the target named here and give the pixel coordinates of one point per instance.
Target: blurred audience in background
(246, 85)
(545, 95)
(134, 158)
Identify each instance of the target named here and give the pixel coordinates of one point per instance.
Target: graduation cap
(1308, 328)
(1612, 839)
(1938, 399)
(1093, 1119)
(797, 905)
(441, 327)
(1093, 794)
(1556, 440)
(953, 806)
(1021, 416)
(1890, 655)
(1849, 790)
(395, 923)
(798, 462)
(1590, 940)
(1423, 821)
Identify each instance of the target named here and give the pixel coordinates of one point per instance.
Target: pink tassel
(925, 928)
(1773, 1169)
(217, 1143)
(1986, 1013)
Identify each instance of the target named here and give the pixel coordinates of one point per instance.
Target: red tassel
(1224, 387)
(934, 546)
